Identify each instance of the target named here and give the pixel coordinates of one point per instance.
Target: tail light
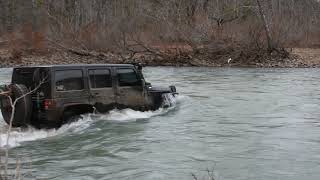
(49, 103)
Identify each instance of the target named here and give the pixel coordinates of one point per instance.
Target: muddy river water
(241, 124)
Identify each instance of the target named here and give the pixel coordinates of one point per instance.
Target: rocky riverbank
(298, 57)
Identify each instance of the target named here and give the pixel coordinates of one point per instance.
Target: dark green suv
(57, 93)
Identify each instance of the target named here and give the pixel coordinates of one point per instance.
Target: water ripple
(246, 123)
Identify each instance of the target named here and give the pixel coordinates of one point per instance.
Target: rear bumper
(46, 119)
(53, 115)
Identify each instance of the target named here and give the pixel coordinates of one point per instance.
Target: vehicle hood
(159, 89)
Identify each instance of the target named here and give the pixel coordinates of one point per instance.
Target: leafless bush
(4, 165)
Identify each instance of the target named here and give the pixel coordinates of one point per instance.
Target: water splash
(126, 115)
(19, 136)
(169, 104)
(169, 100)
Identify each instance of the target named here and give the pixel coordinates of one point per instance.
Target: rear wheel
(23, 108)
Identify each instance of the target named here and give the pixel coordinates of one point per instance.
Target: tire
(23, 108)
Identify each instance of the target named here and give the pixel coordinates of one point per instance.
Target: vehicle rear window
(24, 76)
(69, 80)
(100, 78)
(127, 77)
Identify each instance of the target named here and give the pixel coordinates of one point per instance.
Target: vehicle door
(102, 95)
(129, 90)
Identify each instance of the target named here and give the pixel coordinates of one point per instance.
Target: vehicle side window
(100, 78)
(127, 77)
(69, 80)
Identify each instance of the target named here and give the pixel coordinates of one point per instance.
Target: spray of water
(19, 136)
(169, 100)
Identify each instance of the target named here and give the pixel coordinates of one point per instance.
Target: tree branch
(13, 105)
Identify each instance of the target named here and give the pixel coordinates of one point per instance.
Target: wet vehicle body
(62, 92)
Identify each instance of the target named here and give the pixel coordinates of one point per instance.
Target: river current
(241, 124)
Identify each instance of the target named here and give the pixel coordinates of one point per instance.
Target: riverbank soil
(310, 56)
(298, 57)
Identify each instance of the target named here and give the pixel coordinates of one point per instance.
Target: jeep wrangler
(52, 95)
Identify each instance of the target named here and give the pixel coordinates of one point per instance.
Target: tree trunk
(10, 16)
(3, 16)
(266, 27)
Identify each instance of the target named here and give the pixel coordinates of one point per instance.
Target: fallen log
(78, 52)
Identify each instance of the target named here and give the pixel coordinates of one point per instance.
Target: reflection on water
(245, 123)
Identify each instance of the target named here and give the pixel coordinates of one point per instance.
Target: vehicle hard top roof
(76, 65)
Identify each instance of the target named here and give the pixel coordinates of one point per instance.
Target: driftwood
(78, 52)
(132, 44)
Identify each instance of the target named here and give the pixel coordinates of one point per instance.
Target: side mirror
(142, 82)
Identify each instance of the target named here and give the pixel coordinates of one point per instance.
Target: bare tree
(98, 26)
(13, 102)
(266, 26)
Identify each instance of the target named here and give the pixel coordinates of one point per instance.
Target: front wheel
(168, 100)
